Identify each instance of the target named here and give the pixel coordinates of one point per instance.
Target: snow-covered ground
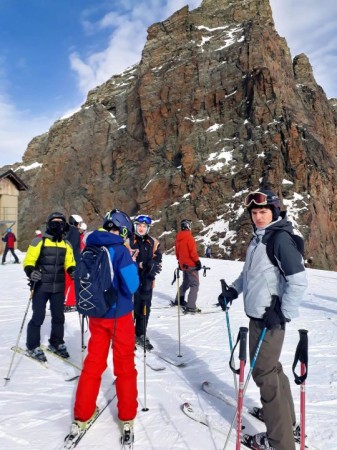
(36, 404)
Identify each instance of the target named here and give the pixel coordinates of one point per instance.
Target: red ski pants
(120, 333)
(69, 292)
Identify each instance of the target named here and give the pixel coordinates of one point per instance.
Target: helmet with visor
(264, 198)
(142, 219)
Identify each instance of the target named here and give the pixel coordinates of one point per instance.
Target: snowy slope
(36, 404)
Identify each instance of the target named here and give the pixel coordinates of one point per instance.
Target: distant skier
(10, 240)
(208, 252)
(82, 229)
(271, 298)
(73, 236)
(189, 263)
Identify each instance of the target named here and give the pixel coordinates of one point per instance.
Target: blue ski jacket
(125, 279)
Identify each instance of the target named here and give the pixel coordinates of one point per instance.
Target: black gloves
(35, 275)
(230, 295)
(71, 272)
(198, 265)
(273, 315)
(154, 268)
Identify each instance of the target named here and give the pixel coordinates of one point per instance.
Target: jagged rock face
(215, 108)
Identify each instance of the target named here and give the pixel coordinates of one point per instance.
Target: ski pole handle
(243, 344)
(301, 355)
(205, 269)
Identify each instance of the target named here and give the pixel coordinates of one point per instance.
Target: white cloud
(310, 27)
(126, 41)
(17, 128)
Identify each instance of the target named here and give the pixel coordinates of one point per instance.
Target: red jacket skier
(10, 240)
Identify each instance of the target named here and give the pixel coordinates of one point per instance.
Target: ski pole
(252, 364)
(144, 347)
(83, 346)
(224, 287)
(205, 270)
(20, 332)
(242, 357)
(178, 296)
(301, 355)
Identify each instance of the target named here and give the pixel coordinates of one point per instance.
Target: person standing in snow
(189, 263)
(73, 236)
(116, 329)
(10, 240)
(149, 259)
(271, 297)
(82, 229)
(45, 264)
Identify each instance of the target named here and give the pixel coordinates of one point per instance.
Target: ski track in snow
(36, 404)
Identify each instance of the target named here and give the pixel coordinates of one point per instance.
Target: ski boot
(188, 310)
(140, 342)
(127, 437)
(257, 442)
(37, 353)
(77, 428)
(60, 350)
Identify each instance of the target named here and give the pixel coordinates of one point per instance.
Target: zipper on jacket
(252, 254)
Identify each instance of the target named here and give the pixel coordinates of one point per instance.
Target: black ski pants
(16, 259)
(142, 299)
(39, 303)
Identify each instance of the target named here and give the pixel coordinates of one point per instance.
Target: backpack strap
(270, 248)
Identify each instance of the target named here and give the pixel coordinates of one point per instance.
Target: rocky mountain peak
(216, 107)
(240, 10)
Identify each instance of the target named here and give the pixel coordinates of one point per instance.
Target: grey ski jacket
(260, 279)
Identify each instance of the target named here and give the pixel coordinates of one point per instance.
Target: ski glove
(274, 317)
(154, 269)
(36, 276)
(71, 272)
(198, 265)
(230, 295)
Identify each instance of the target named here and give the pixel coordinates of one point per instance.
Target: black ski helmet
(186, 224)
(262, 198)
(120, 221)
(56, 215)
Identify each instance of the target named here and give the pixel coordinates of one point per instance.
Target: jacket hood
(101, 237)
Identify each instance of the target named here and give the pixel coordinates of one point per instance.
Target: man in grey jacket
(261, 282)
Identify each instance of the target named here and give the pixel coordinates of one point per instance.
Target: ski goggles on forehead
(257, 197)
(144, 219)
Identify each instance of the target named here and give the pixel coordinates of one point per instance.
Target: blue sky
(53, 52)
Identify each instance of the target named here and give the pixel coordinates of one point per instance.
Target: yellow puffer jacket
(51, 259)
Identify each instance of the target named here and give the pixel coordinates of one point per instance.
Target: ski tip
(186, 405)
(205, 383)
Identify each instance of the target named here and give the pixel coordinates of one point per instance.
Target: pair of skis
(45, 364)
(197, 414)
(156, 361)
(70, 443)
